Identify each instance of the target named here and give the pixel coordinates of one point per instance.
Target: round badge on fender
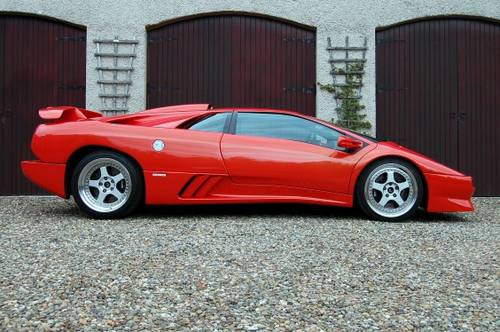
(158, 145)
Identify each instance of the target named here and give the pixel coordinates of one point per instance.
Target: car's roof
(263, 110)
(255, 110)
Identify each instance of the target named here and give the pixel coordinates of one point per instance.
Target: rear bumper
(449, 193)
(48, 176)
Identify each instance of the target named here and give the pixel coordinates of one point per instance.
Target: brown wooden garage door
(438, 92)
(42, 63)
(232, 60)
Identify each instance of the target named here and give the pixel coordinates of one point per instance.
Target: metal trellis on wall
(342, 71)
(115, 60)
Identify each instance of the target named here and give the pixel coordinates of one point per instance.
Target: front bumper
(449, 193)
(48, 176)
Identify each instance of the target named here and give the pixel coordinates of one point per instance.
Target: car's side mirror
(349, 143)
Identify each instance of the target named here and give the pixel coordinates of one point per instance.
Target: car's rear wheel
(106, 184)
(390, 190)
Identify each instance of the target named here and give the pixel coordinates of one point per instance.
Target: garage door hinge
(152, 88)
(161, 39)
(298, 40)
(302, 89)
(72, 39)
(383, 88)
(381, 40)
(71, 87)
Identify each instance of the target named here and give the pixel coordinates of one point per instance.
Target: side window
(213, 123)
(286, 127)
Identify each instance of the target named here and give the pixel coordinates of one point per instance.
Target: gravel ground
(252, 268)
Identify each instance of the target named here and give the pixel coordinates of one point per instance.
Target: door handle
(462, 116)
(5, 114)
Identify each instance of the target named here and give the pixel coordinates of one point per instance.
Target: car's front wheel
(390, 190)
(106, 184)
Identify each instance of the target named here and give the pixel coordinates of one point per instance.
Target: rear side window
(214, 123)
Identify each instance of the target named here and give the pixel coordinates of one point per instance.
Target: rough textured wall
(128, 18)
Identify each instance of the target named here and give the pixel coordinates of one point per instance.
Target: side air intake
(199, 186)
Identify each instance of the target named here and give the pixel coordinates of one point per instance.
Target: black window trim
(231, 128)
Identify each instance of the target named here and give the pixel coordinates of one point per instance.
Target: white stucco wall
(336, 19)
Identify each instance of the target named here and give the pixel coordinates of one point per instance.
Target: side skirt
(185, 188)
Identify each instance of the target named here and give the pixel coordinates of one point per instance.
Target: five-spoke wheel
(390, 190)
(106, 184)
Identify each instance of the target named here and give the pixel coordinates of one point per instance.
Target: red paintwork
(65, 114)
(349, 143)
(207, 168)
(49, 176)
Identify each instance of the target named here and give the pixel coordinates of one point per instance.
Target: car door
(193, 148)
(280, 149)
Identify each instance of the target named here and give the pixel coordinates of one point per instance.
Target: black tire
(135, 185)
(368, 205)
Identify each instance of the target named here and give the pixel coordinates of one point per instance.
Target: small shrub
(350, 109)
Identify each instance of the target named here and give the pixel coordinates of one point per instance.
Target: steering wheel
(311, 139)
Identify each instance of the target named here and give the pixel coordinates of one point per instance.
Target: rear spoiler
(59, 114)
(178, 108)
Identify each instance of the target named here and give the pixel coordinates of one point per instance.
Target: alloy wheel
(391, 190)
(104, 185)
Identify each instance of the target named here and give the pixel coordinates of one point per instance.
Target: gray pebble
(252, 268)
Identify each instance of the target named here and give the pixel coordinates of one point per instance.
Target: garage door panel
(2, 71)
(232, 60)
(437, 93)
(43, 64)
(479, 104)
(410, 110)
(391, 47)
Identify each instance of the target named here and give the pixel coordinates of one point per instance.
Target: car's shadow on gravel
(422, 216)
(282, 210)
(250, 210)
(240, 211)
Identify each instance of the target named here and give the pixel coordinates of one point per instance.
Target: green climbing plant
(349, 112)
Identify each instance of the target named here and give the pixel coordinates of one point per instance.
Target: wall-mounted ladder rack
(115, 64)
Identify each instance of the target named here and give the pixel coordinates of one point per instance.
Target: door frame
(44, 17)
(168, 21)
(437, 17)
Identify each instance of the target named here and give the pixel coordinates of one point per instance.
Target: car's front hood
(426, 164)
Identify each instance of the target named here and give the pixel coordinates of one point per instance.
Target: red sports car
(194, 154)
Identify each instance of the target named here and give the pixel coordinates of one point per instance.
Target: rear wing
(178, 108)
(60, 114)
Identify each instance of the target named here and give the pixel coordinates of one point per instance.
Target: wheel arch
(372, 161)
(83, 151)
